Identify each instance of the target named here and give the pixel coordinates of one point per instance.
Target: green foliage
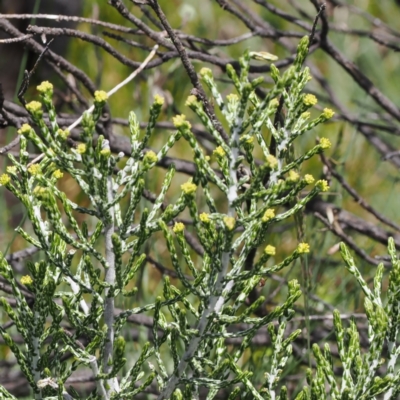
(84, 273)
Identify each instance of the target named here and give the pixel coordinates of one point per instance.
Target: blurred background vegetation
(363, 31)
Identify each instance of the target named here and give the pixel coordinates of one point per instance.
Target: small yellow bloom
(81, 148)
(310, 100)
(40, 191)
(208, 158)
(191, 100)
(328, 113)
(204, 218)
(158, 100)
(150, 157)
(180, 122)
(4, 179)
(274, 103)
(34, 169)
(188, 188)
(63, 134)
(100, 96)
(250, 140)
(34, 106)
(309, 179)
(322, 184)
(25, 128)
(270, 250)
(106, 152)
(230, 223)
(325, 143)
(26, 280)
(58, 174)
(303, 248)
(293, 176)
(272, 161)
(232, 98)
(219, 152)
(178, 227)
(12, 169)
(305, 115)
(206, 72)
(44, 87)
(268, 215)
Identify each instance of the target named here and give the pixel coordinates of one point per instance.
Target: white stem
(216, 301)
(109, 301)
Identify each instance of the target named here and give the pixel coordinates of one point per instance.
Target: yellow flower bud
(309, 100)
(4, 179)
(303, 248)
(309, 179)
(26, 280)
(44, 87)
(230, 223)
(268, 215)
(100, 96)
(325, 143)
(204, 217)
(81, 148)
(178, 227)
(322, 185)
(270, 250)
(328, 113)
(188, 188)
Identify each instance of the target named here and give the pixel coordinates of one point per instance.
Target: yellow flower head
(232, 98)
(309, 179)
(305, 115)
(34, 107)
(250, 140)
(178, 227)
(310, 100)
(63, 134)
(204, 218)
(40, 191)
(58, 174)
(106, 152)
(100, 96)
(34, 169)
(270, 250)
(45, 87)
(150, 157)
(4, 179)
(188, 188)
(26, 280)
(180, 122)
(230, 223)
(81, 148)
(328, 113)
(158, 100)
(268, 215)
(322, 184)
(206, 72)
(303, 248)
(325, 143)
(274, 103)
(272, 161)
(191, 100)
(293, 176)
(25, 129)
(219, 152)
